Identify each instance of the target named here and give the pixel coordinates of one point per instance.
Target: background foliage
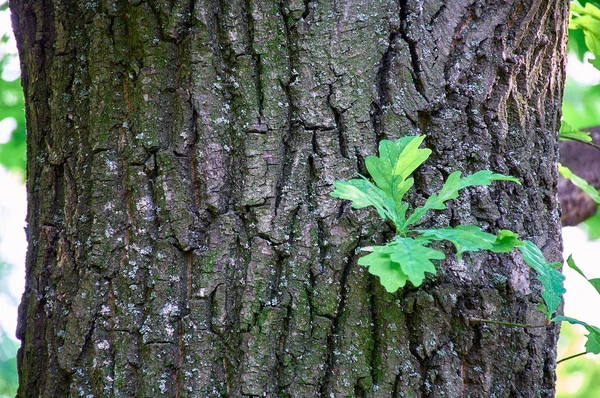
(12, 145)
(12, 157)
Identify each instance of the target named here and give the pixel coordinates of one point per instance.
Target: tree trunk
(182, 241)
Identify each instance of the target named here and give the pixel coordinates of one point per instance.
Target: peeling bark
(182, 241)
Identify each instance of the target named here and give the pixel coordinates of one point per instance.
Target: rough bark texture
(182, 242)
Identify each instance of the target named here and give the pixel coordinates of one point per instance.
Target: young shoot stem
(571, 357)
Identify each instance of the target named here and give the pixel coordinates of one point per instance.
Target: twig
(585, 142)
(572, 356)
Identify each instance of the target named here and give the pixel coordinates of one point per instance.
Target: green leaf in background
(592, 345)
(9, 379)
(577, 44)
(409, 256)
(581, 104)
(592, 226)
(451, 188)
(568, 132)
(587, 18)
(12, 152)
(595, 282)
(551, 278)
(579, 182)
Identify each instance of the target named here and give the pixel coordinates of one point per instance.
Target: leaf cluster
(408, 256)
(587, 19)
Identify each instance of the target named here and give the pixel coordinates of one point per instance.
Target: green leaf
(592, 226)
(12, 153)
(472, 238)
(587, 18)
(390, 274)
(572, 265)
(592, 345)
(413, 257)
(595, 282)
(568, 132)
(506, 241)
(463, 237)
(550, 277)
(451, 188)
(400, 260)
(543, 309)
(364, 193)
(396, 161)
(579, 182)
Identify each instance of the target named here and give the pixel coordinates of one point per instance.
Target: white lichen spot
(103, 345)
(112, 166)
(163, 386)
(170, 309)
(221, 121)
(145, 206)
(109, 232)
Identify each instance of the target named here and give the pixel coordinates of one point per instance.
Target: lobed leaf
(451, 188)
(463, 237)
(396, 161)
(550, 277)
(363, 193)
(390, 274)
(472, 238)
(592, 345)
(400, 260)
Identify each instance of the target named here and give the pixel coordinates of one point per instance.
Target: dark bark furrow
(416, 70)
(383, 91)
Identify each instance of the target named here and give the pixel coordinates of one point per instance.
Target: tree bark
(182, 241)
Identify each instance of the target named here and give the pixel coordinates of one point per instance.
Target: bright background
(577, 378)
